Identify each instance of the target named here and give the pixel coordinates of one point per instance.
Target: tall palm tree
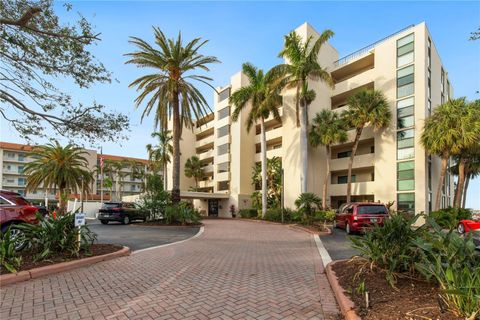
(118, 167)
(194, 169)
(137, 172)
(59, 167)
(160, 155)
(365, 108)
(262, 94)
(327, 128)
(472, 171)
(447, 132)
(302, 58)
(170, 89)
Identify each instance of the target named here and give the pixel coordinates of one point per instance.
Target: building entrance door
(212, 208)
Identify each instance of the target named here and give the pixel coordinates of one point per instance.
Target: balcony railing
(366, 49)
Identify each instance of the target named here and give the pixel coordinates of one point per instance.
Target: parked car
(124, 212)
(358, 216)
(15, 210)
(472, 226)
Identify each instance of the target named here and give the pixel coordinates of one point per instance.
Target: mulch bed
(95, 250)
(413, 299)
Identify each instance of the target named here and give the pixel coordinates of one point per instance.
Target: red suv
(14, 210)
(358, 216)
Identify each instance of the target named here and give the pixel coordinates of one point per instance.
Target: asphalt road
(138, 237)
(338, 246)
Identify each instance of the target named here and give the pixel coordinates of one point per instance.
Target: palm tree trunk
(264, 168)
(350, 163)
(443, 170)
(325, 182)
(464, 196)
(165, 183)
(303, 147)
(176, 150)
(460, 184)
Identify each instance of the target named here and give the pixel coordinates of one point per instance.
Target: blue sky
(253, 31)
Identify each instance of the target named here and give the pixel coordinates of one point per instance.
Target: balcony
(270, 154)
(206, 183)
(270, 135)
(367, 134)
(201, 128)
(354, 82)
(354, 68)
(339, 99)
(204, 142)
(208, 169)
(223, 158)
(206, 155)
(360, 161)
(358, 188)
(224, 176)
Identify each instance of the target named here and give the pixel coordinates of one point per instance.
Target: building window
(405, 144)
(442, 81)
(20, 169)
(223, 185)
(224, 95)
(406, 202)
(22, 181)
(405, 50)
(223, 113)
(448, 90)
(405, 82)
(21, 157)
(223, 167)
(344, 154)
(223, 149)
(10, 155)
(372, 149)
(429, 107)
(223, 131)
(344, 179)
(406, 175)
(405, 110)
(21, 192)
(429, 53)
(429, 84)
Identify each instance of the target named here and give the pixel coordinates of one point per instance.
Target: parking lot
(138, 237)
(338, 245)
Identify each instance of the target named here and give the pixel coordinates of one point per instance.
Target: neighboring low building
(390, 165)
(13, 158)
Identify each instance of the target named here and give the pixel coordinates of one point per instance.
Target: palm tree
(303, 66)
(137, 172)
(365, 108)
(447, 132)
(59, 167)
(170, 89)
(263, 96)
(472, 171)
(160, 155)
(307, 202)
(194, 169)
(118, 167)
(328, 128)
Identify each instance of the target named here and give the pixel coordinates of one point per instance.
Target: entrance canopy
(203, 195)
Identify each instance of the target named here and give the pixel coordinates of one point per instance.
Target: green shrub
(390, 247)
(306, 204)
(155, 200)
(183, 213)
(451, 260)
(53, 235)
(324, 216)
(295, 216)
(448, 218)
(248, 213)
(8, 258)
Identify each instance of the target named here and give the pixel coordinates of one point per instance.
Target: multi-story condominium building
(13, 158)
(390, 165)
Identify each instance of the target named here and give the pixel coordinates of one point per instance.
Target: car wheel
(348, 229)
(126, 220)
(461, 228)
(16, 235)
(104, 221)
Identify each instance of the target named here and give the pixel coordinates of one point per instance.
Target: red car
(358, 216)
(468, 226)
(14, 210)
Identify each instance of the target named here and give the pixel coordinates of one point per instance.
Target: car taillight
(116, 209)
(355, 218)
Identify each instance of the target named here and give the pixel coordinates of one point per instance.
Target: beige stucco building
(14, 156)
(390, 165)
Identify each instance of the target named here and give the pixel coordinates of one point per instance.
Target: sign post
(79, 222)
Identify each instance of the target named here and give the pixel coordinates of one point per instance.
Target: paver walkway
(234, 270)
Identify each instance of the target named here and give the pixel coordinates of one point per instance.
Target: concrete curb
(347, 307)
(321, 233)
(198, 234)
(60, 267)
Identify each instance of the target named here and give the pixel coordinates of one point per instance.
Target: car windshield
(108, 205)
(372, 210)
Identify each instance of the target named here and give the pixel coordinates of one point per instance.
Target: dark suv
(14, 210)
(123, 212)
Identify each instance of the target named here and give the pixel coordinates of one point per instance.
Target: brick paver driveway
(234, 270)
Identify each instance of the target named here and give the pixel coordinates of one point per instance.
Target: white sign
(79, 219)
